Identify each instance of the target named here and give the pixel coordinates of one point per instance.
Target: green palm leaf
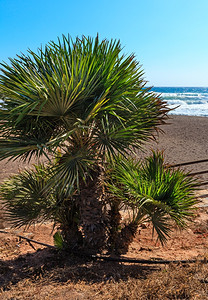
(154, 192)
(84, 80)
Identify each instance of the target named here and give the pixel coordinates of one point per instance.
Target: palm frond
(46, 94)
(24, 198)
(154, 191)
(27, 200)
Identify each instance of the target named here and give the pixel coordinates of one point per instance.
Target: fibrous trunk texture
(93, 215)
(72, 237)
(69, 227)
(114, 223)
(125, 238)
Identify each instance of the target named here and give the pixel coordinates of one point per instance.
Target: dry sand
(184, 139)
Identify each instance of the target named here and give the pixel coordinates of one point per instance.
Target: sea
(190, 101)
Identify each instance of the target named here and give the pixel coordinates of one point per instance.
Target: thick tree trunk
(93, 215)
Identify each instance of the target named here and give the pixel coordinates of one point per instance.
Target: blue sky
(169, 37)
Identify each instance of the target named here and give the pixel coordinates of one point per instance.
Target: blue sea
(190, 101)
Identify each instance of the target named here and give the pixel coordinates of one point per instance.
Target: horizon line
(180, 86)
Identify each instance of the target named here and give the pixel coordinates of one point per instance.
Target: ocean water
(190, 101)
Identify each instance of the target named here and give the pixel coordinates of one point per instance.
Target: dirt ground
(189, 243)
(31, 271)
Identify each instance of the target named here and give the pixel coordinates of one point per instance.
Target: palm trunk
(125, 238)
(72, 237)
(69, 227)
(93, 214)
(114, 223)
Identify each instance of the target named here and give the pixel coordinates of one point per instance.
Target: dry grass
(46, 275)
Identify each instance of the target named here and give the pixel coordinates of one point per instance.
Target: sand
(184, 139)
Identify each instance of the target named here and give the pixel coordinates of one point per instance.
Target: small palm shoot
(27, 200)
(155, 193)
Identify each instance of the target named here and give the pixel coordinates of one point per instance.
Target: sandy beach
(184, 139)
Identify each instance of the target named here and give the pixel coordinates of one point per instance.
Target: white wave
(190, 109)
(176, 102)
(192, 104)
(203, 96)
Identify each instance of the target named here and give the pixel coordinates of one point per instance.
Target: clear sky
(169, 37)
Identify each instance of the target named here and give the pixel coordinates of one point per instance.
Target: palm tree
(78, 102)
